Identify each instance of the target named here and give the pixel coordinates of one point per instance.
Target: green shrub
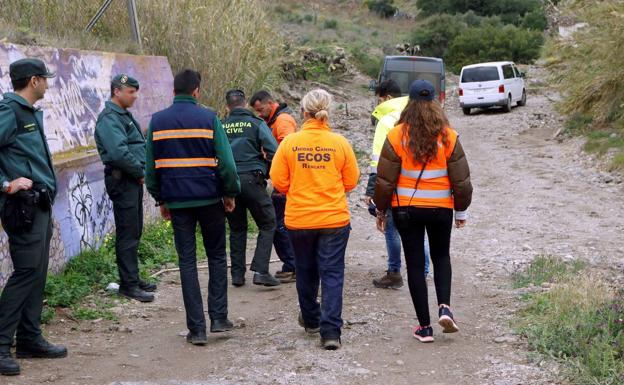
(510, 11)
(365, 62)
(384, 8)
(436, 34)
(492, 43)
(546, 269)
(330, 24)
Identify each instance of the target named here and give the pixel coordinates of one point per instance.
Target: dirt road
(532, 196)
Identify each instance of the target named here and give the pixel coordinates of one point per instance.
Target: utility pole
(132, 16)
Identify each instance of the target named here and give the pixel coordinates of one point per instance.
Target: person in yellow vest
(423, 175)
(316, 168)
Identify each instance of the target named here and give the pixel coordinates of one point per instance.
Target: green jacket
(24, 151)
(249, 136)
(119, 140)
(226, 167)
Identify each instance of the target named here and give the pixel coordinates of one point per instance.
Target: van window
(517, 72)
(405, 79)
(480, 74)
(508, 71)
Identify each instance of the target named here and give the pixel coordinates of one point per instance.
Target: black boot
(221, 325)
(265, 279)
(40, 349)
(8, 366)
(136, 293)
(146, 286)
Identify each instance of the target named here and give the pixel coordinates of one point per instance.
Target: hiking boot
(331, 343)
(392, 280)
(8, 366)
(446, 320)
(198, 338)
(423, 333)
(265, 279)
(40, 349)
(307, 329)
(221, 325)
(238, 280)
(286, 276)
(136, 293)
(146, 286)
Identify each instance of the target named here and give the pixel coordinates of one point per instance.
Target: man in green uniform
(121, 145)
(253, 145)
(28, 190)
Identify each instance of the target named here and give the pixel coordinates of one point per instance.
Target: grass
(231, 43)
(546, 268)
(579, 321)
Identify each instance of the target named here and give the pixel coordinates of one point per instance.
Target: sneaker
(307, 329)
(265, 279)
(392, 280)
(447, 321)
(286, 277)
(199, 338)
(331, 343)
(423, 333)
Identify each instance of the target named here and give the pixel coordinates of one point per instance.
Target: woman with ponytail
(315, 168)
(423, 176)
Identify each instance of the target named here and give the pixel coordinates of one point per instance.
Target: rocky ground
(533, 195)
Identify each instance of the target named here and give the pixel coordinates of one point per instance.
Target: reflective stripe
(427, 174)
(372, 170)
(183, 134)
(375, 157)
(407, 193)
(186, 162)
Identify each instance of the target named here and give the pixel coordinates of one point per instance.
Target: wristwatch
(6, 186)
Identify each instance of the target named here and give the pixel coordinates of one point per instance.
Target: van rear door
(406, 69)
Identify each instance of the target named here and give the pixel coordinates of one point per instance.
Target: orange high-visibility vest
(434, 188)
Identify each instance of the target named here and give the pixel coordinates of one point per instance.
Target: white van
(486, 85)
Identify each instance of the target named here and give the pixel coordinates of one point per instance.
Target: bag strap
(422, 170)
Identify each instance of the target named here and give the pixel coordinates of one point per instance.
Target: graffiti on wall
(83, 213)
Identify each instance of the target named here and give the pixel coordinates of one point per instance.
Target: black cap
(25, 68)
(123, 80)
(422, 90)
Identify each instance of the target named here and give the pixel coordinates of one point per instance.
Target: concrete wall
(82, 212)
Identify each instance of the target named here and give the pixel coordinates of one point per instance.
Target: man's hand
(229, 203)
(165, 213)
(459, 223)
(367, 200)
(19, 184)
(381, 223)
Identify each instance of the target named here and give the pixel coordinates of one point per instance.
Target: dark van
(405, 69)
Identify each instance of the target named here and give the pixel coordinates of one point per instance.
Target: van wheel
(466, 110)
(507, 107)
(522, 101)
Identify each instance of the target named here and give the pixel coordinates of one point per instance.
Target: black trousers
(127, 197)
(412, 225)
(22, 298)
(211, 221)
(253, 197)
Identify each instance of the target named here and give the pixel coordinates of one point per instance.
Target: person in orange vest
(279, 117)
(315, 168)
(423, 175)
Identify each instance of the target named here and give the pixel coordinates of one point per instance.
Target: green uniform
(122, 149)
(24, 153)
(249, 137)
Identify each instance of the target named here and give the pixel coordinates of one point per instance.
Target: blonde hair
(316, 103)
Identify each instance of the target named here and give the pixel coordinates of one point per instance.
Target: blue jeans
(393, 245)
(281, 241)
(319, 256)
